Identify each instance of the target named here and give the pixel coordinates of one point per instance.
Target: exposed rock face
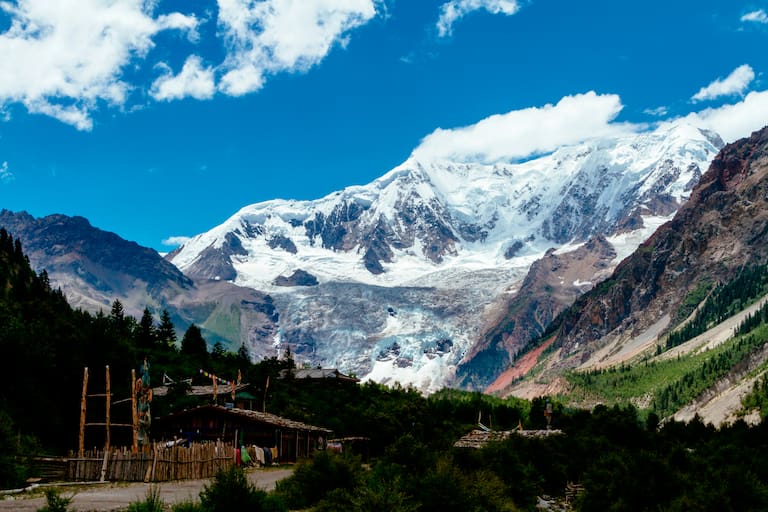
(70, 249)
(552, 284)
(298, 278)
(722, 228)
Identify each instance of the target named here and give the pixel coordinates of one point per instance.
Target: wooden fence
(161, 464)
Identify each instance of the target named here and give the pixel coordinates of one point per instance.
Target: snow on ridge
(509, 201)
(497, 214)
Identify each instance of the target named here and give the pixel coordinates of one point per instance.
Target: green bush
(314, 479)
(231, 490)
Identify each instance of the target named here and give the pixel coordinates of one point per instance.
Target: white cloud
(735, 83)
(737, 120)
(450, 12)
(66, 58)
(172, 241)
(193, 80)
(523, 133)
(758, 16)
(6, 176)
(178, 21)
(282, 35)
(60, 58)
(658, 111)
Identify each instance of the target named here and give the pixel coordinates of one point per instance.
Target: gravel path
(110, 497)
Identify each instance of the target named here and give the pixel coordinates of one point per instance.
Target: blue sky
(160, 119)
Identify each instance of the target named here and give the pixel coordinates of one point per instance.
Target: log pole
(81, 436)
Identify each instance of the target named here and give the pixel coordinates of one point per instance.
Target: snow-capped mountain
(396, 279)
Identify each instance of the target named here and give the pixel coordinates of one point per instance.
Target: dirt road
(110, 497)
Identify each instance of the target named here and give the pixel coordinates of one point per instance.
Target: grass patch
(672, 382)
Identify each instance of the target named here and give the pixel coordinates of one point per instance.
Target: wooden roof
(479, 438)
(247, 415)
(221, 389)
(316, 373)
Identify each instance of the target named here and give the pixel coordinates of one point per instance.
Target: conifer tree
(166, 332)
(193, 343)
(146, 334)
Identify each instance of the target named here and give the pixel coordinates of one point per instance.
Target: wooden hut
(317, 375)
(293, 440)
(478, 438)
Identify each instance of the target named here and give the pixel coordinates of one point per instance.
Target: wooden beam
(81, 437)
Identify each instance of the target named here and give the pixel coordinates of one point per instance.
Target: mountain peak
(441, 243)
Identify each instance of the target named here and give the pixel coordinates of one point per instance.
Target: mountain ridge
(718, 231)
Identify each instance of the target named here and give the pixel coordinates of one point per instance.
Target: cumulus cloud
(173, 241)
(66, 58)
(452, 11)
(194, 80)
(6, 176)
(735, 83)
(61, 58)
(737, 120)
(273, 36)
(758, 16)
(523, 133)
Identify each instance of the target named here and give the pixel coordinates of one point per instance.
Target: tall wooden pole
(81, 438)
(134, 414)
(107, 440)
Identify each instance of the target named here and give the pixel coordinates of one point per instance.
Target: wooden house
(293, 440)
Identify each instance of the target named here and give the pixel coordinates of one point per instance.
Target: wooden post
(102, 478)
(134, 414)
(107, 440)
(150, 474)
(81, 438)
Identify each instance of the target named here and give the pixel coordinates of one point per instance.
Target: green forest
(623, 458)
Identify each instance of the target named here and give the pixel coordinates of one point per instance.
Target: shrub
(187, 506)
(230, 490)
(151, 503)
(314, 479)
(55, 502)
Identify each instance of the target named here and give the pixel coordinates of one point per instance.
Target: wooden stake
(107, 440)
(104, 466)
(134, 414)
(81, 438)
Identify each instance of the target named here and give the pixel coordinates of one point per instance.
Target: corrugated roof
(257, 416)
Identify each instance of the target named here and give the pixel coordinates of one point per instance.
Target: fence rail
(160, 464)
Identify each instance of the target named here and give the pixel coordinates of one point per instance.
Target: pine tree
(243, 355)
(146, 334)
(193, 343)
(166, 332)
